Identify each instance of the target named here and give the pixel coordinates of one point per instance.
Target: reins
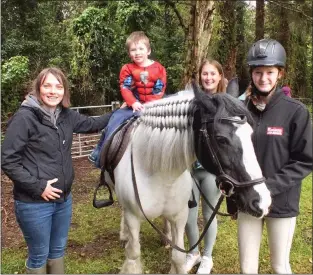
(160, 231)
(206, 200)
(225, 183)
(222, 179)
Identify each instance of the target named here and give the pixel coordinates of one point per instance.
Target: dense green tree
(259, 20)
(86, 39)
(244, 38)
(14, 74)
(232, 36)
(98, 49)
(227, 45)
(199, 31)
(291, 24)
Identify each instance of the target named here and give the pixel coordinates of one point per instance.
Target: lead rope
(205, 198)
(157, 229)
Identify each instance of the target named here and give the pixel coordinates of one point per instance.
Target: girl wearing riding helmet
(212, 80)
(282, 141)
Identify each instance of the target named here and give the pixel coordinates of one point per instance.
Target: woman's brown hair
(59, 75)
(221, 87)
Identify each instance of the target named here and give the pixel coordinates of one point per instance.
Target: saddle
(110, 155)
(114, 148)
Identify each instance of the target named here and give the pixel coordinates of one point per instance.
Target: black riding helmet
(266, 52)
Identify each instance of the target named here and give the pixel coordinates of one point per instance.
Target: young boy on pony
(141, 81)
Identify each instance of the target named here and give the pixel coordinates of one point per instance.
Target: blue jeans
(45, 228)
(117, 118)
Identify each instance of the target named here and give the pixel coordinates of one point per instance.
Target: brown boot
(55, 266)
(40, 270)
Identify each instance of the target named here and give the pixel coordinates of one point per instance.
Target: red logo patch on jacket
(275, 131)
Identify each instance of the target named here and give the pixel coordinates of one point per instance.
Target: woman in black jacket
(282, 141)
(36, 156)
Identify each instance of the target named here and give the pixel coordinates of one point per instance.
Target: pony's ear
(204, 99)
(195, 87)
(233, 87)
(197, 91)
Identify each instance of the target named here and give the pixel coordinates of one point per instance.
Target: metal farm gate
(83, 144)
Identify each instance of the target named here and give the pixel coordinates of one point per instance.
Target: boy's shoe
(192, 260)
(205, 266)
(93, 156)
(91, 159)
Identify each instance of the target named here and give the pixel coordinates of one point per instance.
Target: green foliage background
(86, 40)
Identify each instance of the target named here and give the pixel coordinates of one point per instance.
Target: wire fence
(83, 144)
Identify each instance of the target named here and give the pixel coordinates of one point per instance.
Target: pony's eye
(222, 140)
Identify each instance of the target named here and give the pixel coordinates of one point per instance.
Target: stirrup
(102, 203)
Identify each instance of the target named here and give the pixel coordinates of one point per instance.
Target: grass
(94, 245)
(301, 253)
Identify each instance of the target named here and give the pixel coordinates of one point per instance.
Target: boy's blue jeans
(118, 117)
(45, 228)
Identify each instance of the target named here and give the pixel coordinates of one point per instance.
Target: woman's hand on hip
(50, 192)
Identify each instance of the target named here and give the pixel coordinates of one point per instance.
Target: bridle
(222, 179)
(225, 183)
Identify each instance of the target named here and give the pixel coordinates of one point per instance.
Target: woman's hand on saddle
(50, 192)
(137, 106)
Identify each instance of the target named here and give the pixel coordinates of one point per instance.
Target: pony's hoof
(123, 237)
(123, 243)
(167, 245)
(132, 267)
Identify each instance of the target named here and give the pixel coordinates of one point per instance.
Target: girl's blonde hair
(221, 87)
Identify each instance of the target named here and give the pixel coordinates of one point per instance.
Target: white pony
(165, 142)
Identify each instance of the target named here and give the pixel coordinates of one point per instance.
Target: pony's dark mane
(228, 105)
(219, 105)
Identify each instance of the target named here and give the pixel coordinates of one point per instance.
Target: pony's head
(223, 145)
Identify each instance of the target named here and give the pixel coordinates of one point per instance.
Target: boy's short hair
(137, 36)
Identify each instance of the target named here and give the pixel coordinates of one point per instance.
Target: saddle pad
(114, 148)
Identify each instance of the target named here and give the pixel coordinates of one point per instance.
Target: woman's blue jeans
(45, 228)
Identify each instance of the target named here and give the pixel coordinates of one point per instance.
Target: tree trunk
(259, 20)
(198, 37)
(227, 46)
(242, 48)
(283, 34)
